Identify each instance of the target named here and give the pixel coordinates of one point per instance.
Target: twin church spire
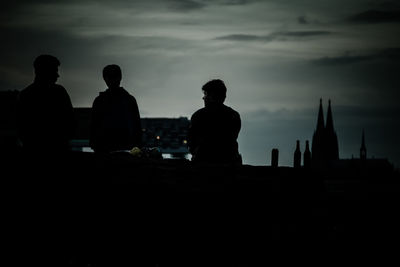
(329, 120)
(324, 143)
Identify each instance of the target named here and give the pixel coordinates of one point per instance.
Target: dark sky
(277, 57)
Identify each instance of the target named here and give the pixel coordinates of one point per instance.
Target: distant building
(325, 149)
(168, 134)
(369, 164)
(363, 149)
(324, 142)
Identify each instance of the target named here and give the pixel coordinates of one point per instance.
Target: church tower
(325, 142)
(307, 156)
(331, 141)
(317, 151)
(363, 149)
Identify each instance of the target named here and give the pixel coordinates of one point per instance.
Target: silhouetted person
(214, 129)
(45, 114)
(115, 116)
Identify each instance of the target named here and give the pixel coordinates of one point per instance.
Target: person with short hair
(115, 122)
(214, 129)
(45, 115)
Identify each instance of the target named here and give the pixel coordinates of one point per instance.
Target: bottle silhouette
(274, 157)
(297, 156)
(307, 156)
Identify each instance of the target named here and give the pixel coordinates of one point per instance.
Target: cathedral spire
(331, 141)
(363, 149)
(329, 120)
(320, 123)
(317, 146)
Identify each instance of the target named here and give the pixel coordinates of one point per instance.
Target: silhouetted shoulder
(107, 96)
(59, 89)
(99, 99)
(28, 91)
(114, 92)
(232, 115)
(232, 111)
(198, 113)
(35, 91)
(131, 97)
(223, 110)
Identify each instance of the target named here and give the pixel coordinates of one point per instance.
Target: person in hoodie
(115, 121)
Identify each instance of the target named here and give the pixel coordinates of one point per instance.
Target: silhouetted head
(214, 93)
(46, 69)
(112, 75)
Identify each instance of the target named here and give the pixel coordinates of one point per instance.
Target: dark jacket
(45, 118)
(213, 133)
(115, 121)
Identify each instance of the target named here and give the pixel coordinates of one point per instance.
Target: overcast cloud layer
(278, 58)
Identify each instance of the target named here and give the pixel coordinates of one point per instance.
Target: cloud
(302, 20)
(236, 2)
(389, 5)
(362, 113)
(275, 36)
(83, 57)
(194, 5)
(301, 34)
(375, 16)
(391, 54)
(341, 60)
(374, 73)
(305, 20)
(243, 37)
(186, 5)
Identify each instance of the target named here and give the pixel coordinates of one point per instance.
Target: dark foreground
(89, 210)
